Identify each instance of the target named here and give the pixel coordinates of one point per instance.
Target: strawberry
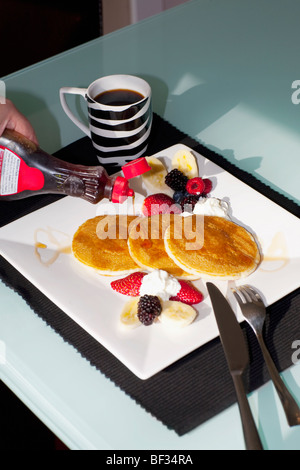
(207, 185)
(188, 294)
(129, 285)
(160, 203)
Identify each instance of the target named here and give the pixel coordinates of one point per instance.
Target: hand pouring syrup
(26, 170)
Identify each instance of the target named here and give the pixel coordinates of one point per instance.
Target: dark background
(20, 429)
(31, 31)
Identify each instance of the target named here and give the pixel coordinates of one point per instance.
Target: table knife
(237, 356)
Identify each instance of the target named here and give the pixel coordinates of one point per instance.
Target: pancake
(101, 243)
(147, 248)
(222, 249)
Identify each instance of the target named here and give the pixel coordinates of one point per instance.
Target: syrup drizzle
(48, 253)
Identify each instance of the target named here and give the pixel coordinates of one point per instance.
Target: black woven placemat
(198, 386)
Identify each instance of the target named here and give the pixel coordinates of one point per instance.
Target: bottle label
(16, 176)
(9, 172)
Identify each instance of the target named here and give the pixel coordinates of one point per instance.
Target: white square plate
(38, 246)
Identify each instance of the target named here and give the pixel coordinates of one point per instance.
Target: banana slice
(185, 161)
(154, 179)
(129, 316)
(177, 314)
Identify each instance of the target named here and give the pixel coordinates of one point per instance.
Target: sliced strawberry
(188, 294)
(160, 203)
(129, 285)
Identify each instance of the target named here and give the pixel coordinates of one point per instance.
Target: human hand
(11, 118)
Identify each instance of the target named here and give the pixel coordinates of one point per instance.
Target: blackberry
(188, 203)
(176, 180)
(149, 307)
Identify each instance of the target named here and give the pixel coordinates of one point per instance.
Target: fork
(254, 311)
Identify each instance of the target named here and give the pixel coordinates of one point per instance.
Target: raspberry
(176, 180)
(149, 307)
(195, 186)
(207, 186)
(188, 203)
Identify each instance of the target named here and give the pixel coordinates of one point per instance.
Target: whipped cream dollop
(212, 206)
(161, 284)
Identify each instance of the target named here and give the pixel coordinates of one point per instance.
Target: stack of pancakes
(186, 247)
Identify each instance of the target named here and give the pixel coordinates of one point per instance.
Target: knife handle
(251, 436)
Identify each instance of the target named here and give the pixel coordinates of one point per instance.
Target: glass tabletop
(222, 72)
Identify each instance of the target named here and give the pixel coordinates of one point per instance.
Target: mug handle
(73, 91)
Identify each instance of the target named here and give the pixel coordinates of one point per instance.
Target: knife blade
(237, 357)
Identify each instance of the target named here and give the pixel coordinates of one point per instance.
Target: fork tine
(239, 296)
(254, 294)
(244, 294)
(248, 293)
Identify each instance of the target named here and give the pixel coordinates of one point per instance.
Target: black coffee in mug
(119, 97)
(119, 116)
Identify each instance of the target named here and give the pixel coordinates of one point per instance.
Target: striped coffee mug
(119, 130)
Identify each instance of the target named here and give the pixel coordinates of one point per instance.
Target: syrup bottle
(26, 170)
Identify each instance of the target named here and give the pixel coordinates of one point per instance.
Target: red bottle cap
(121, 190)
(135, 168)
